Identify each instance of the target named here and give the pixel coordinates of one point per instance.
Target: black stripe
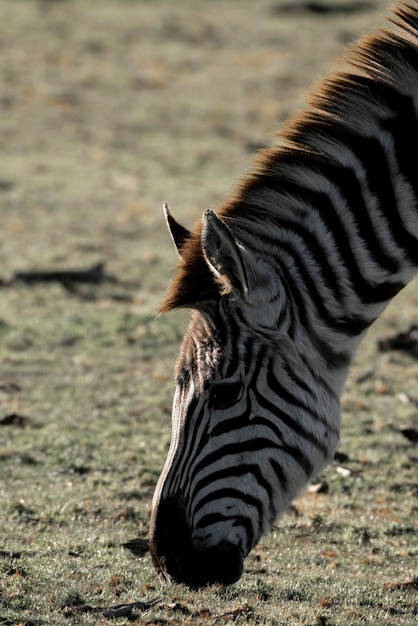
(242, 421)
(352, 325)
(370, 152)
(319, 201)
(282, 392)
(295, 427)
(237, 472)
(404, 129)
(280, 475)
(235, 423)
(329, 277)
(215, 518)
(294, 376)
(236, 449)
(181, 467)
(231, 493)
(334, 358)
(344, 179)
(306, 279)
(209, 431)
(316, 375)
(185, 462)
(253, 470)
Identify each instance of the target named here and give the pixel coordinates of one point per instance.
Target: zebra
(283, 281)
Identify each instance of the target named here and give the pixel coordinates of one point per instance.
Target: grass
(107, 110)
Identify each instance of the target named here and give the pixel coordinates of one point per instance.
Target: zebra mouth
(177, 560)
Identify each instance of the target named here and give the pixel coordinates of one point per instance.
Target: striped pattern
(284, 281)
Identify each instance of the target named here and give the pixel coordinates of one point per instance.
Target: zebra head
(250, 423)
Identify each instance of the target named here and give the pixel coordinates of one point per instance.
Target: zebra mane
(388, 58)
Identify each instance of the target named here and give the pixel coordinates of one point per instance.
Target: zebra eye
(223, 394)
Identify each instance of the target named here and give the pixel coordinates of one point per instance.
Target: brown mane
(375, 58)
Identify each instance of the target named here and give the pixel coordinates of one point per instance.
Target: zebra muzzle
(178, 560)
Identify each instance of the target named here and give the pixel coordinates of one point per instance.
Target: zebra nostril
(177, 560)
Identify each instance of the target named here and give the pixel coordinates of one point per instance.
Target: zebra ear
(223, 255)
(178, 233)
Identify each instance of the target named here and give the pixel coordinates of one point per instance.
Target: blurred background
(109, 108)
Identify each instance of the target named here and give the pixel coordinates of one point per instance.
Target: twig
(406, 341)
(122, 610)
(321, 8)
(92, 275)
(119, 610)
(15, 419)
